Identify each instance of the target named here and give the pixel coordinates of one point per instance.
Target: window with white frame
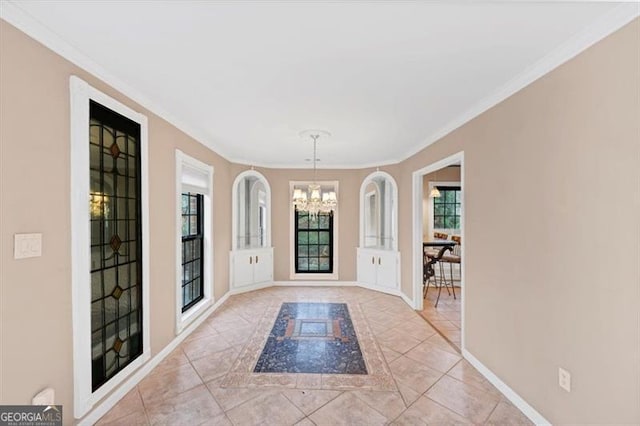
(194, 259)
(109, 243)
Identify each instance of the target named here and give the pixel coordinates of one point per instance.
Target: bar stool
(452, 259)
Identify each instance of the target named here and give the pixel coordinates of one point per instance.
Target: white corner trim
(407, 300)
(601, 28)
(140, 374)
(515, 399)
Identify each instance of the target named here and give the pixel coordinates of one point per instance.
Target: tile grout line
(308, 415)
(453, 345)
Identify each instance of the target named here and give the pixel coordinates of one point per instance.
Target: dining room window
(314, 243)
(446, 208)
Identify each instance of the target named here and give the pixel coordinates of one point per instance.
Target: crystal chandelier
(314, 200)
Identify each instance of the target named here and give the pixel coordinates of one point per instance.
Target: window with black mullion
(192, 250)
(446, 208)
(314, 243)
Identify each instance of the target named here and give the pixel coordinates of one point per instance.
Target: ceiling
(386, 79)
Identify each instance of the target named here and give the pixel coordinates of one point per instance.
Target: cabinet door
(262, 266)
(242, 268)
(387, 274)
(367, 267)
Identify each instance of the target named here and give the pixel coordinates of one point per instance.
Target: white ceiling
(384, 78)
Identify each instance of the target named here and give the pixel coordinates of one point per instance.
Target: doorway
(440, 217)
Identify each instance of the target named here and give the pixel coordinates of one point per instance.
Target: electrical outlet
(564, 379)
(27, 245)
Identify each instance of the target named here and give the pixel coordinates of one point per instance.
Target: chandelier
(314, 200)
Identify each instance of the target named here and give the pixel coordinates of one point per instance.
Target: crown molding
(599, 29)
(309, 166)
(11, 12)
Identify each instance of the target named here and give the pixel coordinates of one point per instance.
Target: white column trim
(301, 277)
(80, 95)
(184, 319)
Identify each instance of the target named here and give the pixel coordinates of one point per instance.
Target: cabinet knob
(379, 261)
(250, 260)
(256, 259)
(373, 260)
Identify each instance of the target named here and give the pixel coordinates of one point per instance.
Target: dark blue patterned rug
(312, 338)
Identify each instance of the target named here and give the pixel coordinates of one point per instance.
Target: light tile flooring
(434, 384)
(446, 317)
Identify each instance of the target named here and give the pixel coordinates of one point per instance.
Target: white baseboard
(102, 408)
(315, 283)
(239, 290)
(515, 399)
(391, 291)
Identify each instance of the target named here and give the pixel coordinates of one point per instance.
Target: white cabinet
(379, 268)
(251, 267)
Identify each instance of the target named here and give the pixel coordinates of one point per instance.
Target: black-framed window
(115, 208)
(446, 208)
(314, 243)
(192, 249)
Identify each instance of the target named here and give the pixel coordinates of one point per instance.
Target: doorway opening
(438, 241)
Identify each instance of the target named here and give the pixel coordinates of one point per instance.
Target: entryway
(438, 229)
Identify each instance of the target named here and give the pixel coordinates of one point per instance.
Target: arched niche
(378, 259)
(251, 211)
(379, 212)
(251, 252)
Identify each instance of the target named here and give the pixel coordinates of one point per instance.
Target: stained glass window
(116, 236)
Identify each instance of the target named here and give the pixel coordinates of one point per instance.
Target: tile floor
(446, 317)
(434, 385)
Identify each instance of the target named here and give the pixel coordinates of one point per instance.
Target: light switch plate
(564, 379)
(27, 245)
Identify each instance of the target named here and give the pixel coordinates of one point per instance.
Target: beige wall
(541, 171)
(36, 334)
(552, 252)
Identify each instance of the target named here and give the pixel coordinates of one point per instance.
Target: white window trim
(184, 319)
(80, 95)
(292, 236)
(431, 229)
